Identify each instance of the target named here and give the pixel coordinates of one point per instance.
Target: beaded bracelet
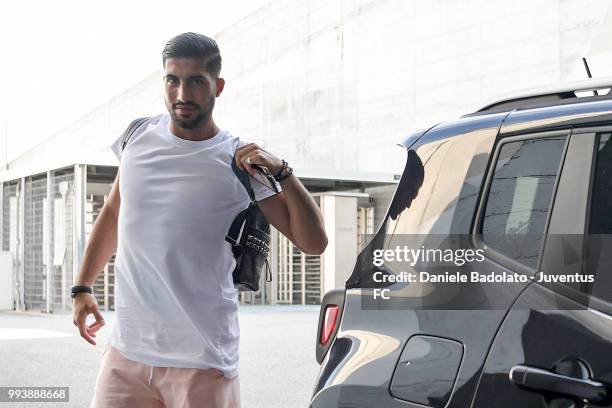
(284, 172)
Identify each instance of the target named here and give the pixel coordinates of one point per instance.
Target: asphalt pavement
(277, 362)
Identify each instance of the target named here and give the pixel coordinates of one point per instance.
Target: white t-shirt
(175, 302)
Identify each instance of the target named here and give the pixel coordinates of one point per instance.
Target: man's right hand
(84, 305)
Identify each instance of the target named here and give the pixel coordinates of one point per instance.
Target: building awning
(312, 178)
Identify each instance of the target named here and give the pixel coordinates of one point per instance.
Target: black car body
(531, 172)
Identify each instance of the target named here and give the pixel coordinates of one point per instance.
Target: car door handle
(546, 381)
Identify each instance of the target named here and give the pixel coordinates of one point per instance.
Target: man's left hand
(253, 154)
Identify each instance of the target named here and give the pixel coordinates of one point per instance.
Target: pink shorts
(123, 383)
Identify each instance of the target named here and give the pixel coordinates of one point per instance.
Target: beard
(203, 115)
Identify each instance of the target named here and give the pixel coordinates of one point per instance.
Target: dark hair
(194, 45)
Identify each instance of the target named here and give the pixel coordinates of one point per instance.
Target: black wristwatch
(79, 289)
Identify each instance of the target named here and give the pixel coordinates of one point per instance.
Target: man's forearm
(101, 246)
(306, 221)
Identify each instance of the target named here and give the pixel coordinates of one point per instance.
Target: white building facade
(332, 87)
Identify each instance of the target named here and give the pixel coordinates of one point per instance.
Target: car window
(599, 254)
(520, 195)
(439, 187)
(600, 221)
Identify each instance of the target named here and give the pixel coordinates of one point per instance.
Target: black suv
(525, 182)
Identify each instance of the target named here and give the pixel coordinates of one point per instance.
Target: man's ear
(220, 85)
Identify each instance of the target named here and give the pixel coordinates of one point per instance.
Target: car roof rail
(549, 95)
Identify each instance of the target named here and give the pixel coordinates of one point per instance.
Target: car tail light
(329, 323)
(330, 316)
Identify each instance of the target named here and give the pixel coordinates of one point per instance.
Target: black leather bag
(249, 235)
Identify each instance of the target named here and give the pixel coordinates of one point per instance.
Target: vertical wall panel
(35, 276)
(61, 234)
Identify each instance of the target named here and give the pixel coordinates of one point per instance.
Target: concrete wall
(333, 85)
(6, 280)
(338, 260)
(382, 199)
(88, 140)
(338, 83)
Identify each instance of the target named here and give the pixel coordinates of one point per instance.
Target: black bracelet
(287, 173)
(76, 289)
(284, 172)
(283, 167)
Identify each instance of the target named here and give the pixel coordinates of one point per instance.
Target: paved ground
(278, 366)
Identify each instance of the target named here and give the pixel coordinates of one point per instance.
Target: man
(175, 338)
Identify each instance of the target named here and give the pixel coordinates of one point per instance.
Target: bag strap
(131, 129)
(234, 231)
(243, 176)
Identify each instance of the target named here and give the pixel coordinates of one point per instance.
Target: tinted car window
(519, 198)
(599, 255)
(601, 198)
(439, 187)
